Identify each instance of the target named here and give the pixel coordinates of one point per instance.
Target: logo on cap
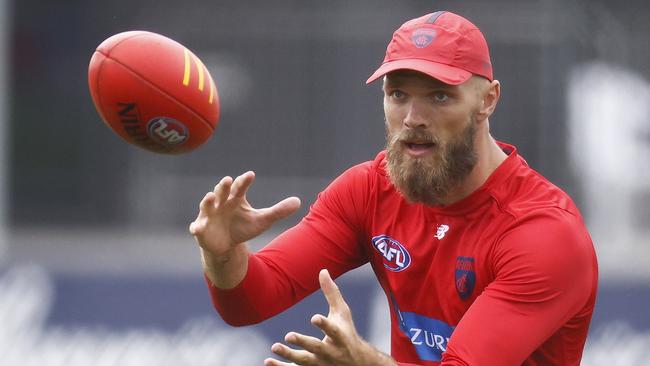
(423, 37)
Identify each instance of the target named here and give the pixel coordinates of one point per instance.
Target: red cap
(442, 45)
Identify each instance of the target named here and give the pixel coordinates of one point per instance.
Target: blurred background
(96, 265)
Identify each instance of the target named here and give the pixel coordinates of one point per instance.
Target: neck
(490, 156)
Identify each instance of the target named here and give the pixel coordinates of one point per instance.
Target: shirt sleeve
(286, 270)
(545, 274)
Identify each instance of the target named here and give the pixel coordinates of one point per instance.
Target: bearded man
(482, 260)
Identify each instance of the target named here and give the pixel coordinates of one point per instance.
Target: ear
(490, 97)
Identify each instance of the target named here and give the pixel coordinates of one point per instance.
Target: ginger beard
(429, 178)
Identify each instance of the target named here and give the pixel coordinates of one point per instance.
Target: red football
(153, 92)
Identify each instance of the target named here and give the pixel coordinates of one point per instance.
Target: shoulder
(375, 166)
(547, 251)
(547, 231)
(363, 175)
(525, 191)
(352, 189)
(545, 239)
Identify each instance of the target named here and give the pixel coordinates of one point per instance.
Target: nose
(415, 115)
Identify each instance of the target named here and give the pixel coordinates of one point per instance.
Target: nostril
(413, 120)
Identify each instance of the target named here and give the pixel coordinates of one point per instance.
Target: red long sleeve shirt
(506, 276)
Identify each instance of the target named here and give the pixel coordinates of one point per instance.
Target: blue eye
(440, 97)
(397, 94)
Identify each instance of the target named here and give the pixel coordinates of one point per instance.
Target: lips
(418, 148)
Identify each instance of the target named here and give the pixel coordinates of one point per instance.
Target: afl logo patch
(396, 257)
(465, 277)
(423, 37)
(167, 131)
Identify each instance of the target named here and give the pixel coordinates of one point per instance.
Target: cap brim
(445, 73)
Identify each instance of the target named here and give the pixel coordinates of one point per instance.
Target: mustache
(413, 136)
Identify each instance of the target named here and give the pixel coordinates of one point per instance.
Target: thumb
(331, 291)
(281, 209)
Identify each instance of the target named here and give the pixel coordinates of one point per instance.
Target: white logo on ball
(167, 131)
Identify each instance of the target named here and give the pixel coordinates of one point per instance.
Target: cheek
(452, 123)
(391, 117)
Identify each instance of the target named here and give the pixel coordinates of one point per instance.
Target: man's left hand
(341, 346)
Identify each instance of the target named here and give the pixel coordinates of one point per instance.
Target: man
(483, 261)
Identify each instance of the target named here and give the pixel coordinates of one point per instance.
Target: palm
(226, 218)
(341, 344)
(229, 226)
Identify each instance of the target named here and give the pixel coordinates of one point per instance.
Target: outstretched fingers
(274, 362)
(308, 343)
(281, 209)
(241, 184)
(299, 356)
(336, 331)
(222, 190)
(206, 208)
(341, 344)
(338, 323)
(331, 291)
(207, 203)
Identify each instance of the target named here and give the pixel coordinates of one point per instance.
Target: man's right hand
(226, 220)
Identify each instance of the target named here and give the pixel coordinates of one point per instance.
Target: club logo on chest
(465, 277)
(396, 257)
